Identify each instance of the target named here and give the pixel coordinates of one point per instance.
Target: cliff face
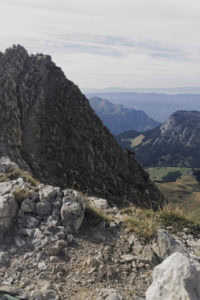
(48, 126)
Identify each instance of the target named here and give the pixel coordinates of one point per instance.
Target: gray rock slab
(167, 244)
(176, 278)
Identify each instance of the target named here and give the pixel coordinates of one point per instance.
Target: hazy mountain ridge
(158, 106)
(175, 143)
(118, 118)
(170, 91)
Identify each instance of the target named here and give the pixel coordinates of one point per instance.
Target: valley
(183, 191)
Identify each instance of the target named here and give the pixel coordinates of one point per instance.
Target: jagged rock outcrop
(175, 143)
(48, 127)
(23, 210)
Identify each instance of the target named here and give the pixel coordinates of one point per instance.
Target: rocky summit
(48, 127)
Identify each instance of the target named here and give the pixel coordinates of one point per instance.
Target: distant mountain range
(170, 91)
(158, 106)
(118, 118)
(174, 143)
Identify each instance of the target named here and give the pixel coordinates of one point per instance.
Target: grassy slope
(185, 191)
(137, 141)
(158, 173)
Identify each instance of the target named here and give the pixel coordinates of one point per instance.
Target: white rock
(195, 245)
(42, 266)
(176, 278)
(47, 192)
(73, 210)
(98, 203)
(127, 257)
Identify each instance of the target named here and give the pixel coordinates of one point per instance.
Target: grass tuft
(145, 228)
(176, 217)
(15, 173)
(140, 221)
(145, 222)
(21, 194)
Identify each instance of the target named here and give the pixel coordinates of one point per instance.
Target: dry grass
(15, 173)
(140, 221)
(20, 194)
(185, 192)
(137, 140)
(145, 222)
(178, 218)
(3, 177)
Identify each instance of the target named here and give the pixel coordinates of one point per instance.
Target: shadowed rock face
(48, 126)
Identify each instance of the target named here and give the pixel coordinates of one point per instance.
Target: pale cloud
(130, 43)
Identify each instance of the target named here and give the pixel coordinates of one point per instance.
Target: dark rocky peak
(48, 127)
(175, 143)
(181, 127)
(14, 59)
(188, 118)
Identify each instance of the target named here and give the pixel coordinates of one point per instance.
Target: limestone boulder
(47, 192)
(176, 278)
(73, 209)
(98, 203)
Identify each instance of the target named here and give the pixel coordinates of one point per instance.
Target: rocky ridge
(174, 143)
(49, 128)
(51, 249)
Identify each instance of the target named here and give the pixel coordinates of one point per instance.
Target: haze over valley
(158, 106)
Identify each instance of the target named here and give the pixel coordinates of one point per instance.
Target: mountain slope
(118, 119)
(48, 127)
(158, 106)
(175, 143)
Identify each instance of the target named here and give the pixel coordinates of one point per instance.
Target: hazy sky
(124, 43)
